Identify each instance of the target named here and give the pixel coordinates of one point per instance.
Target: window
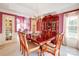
(71, 26)
(23, 24)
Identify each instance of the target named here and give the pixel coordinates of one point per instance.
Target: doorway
(8, 28)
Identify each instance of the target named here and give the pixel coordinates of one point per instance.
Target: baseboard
(7, 42)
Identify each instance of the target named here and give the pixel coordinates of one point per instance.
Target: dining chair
(21, 42)
(54, 50)
(27, 46)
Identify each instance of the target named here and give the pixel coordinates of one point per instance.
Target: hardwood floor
(12, 49)
(9, 49)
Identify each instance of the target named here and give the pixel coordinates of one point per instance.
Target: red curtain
(20, 18)
(0, 22)
(19, 21)
(61, 19)
(39, 25)
(30, 23)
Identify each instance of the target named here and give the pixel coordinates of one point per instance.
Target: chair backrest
(23, 40)
(59, 39)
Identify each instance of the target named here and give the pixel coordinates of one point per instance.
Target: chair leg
(20, 47)
(59, 53)
(42, 53)
(27, 54)
(39, 52)
(23, 51)
(43, 50)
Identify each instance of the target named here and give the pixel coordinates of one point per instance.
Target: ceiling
(36, 9)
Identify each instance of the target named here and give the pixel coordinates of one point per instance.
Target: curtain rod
(70, 11)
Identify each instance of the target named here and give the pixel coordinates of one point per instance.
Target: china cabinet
(51, 25)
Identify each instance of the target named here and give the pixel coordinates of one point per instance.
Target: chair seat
(47, 48)
(56, 49)
(32, 46)
(51, 45)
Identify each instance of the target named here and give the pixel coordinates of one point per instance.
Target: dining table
(34, 39)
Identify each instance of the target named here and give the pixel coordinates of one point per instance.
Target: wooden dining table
(42, 43)
(34, 39)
